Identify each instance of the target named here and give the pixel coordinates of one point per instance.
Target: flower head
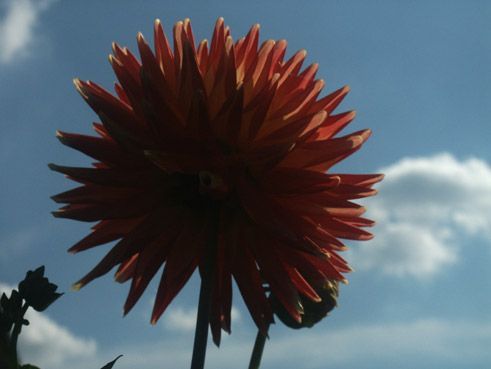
(222, 141)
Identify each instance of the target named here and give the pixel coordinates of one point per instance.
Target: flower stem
(204, 305)
(257, 351)
(15, 333)
(201, 332)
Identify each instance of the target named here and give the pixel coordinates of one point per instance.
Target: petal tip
(55, 198)
(77, 286)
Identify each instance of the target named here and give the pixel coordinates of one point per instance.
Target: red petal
(276, 276)
(149, 262)
(126, 269)
(98, 148)
(117, 177)
(164, 55)
(332, 125)
(105, 231)
(250, 285)
(301, 284)
(133, 242)
(181, 262)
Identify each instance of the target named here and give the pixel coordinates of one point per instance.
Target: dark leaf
(110, 364)
(10, 311)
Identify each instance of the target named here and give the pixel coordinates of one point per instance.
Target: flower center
(212, 184)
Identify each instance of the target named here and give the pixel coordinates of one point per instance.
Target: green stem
(204, 305)
(257, 351)
(15, 333)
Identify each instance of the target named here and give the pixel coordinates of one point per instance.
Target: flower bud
(313, 312)
(36, 289)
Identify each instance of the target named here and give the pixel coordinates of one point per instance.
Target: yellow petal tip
(77, 286)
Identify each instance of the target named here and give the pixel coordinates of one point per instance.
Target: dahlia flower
(223, 143)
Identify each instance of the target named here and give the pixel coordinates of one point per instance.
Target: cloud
(424, 208)
(405, 345)
(17, 27)
(184, 320)
(47, 344)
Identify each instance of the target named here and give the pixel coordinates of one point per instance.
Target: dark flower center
(212, 184)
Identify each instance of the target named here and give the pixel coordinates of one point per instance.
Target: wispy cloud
(424, 207)
(48, 344)
(184, 320)
(404, 345)
(17, 26)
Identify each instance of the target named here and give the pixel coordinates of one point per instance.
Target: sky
(420, 78)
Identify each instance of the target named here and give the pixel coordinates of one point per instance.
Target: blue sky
(420, 77)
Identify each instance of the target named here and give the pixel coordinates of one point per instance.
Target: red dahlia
(227, 144)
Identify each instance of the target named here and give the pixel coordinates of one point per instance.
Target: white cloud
(184, 320)
(180, 319)
(424, 206)
(47, 344)
(408, 343)
(17, 27)
(403, 345)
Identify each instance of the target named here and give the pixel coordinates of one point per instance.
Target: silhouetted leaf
(110, 364)
(10, 311)
(28, 366)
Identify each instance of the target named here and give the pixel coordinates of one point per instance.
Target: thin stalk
(16, 331)
(257, 351)
(204, 305)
